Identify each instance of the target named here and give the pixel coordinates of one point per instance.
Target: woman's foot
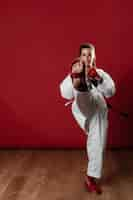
(92, 185)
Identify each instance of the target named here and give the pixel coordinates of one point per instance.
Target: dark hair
(85, 46)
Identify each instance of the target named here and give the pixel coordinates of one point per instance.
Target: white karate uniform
(91, 113)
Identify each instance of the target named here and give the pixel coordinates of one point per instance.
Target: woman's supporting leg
(96, 142)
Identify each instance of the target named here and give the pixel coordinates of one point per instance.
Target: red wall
(38, 40)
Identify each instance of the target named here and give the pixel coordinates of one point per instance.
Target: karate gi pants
(91, 113)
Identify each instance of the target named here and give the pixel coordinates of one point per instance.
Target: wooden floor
(59, 175)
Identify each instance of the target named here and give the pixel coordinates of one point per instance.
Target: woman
(88, 86)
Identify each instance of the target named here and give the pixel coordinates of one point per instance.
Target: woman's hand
(78, 76)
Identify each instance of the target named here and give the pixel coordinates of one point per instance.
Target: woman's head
(87, 54)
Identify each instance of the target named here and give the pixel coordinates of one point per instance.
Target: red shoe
(92, 186)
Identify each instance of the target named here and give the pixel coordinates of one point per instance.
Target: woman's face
(86, 56)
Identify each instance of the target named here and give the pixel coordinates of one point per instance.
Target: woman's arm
(107, 87)
(66, 88)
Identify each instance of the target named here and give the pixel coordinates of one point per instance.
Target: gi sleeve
(66, 88)
(107, 87)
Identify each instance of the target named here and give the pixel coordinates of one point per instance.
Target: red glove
(93, 73)
(94, 76)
